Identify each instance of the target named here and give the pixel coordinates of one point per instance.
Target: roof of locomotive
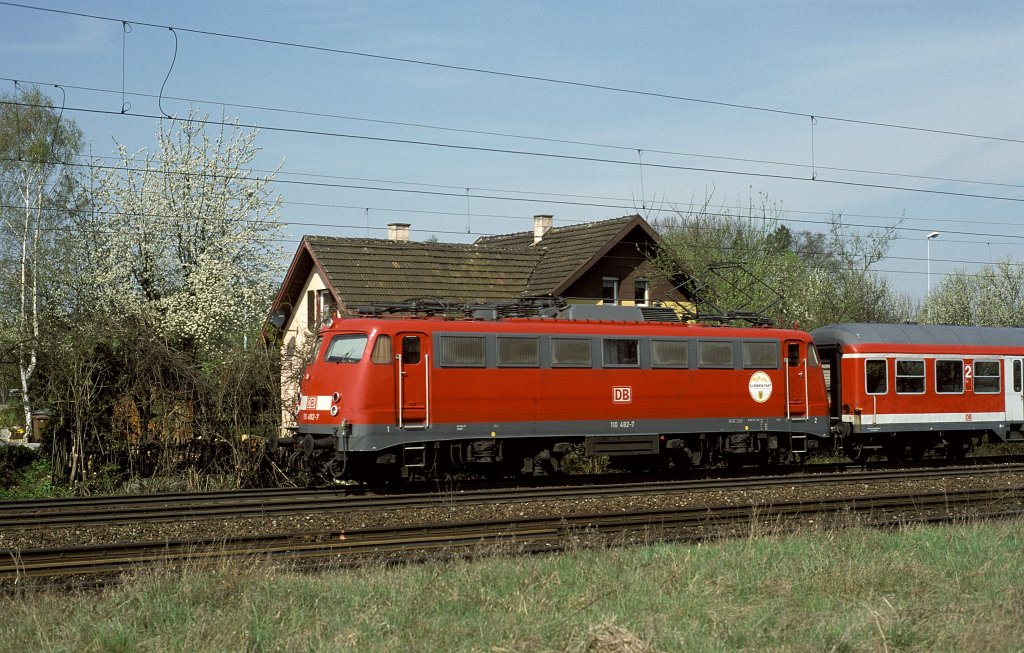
(560, 326)
(918, 334)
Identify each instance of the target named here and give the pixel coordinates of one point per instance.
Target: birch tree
(184, 234)
(37, 188)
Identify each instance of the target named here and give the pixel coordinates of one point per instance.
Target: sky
(467, 118)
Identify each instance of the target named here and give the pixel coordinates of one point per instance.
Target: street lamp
(933, 235)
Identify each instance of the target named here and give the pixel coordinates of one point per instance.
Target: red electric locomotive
(906, 389)
(393, 397)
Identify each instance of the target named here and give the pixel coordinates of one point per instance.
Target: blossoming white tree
(183, 236)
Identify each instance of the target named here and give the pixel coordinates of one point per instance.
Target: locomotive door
(413, 370)
(796, 380)
(1014, 391)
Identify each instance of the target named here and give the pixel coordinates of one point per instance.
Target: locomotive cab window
(670, 353)
(570, 352)
(714, 354)
(876, 378)
(411, 350)
(986, 377)
(346, 348)
(910, 377)
(812, 355)
(518, 351)
(621, 352)
(949, 377)
(381, 350)
(463, 351)
(761, 355)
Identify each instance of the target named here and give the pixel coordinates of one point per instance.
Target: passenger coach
(385, 397)
(905, 389)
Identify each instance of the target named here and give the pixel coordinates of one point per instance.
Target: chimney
(398, 231)
(541, 225)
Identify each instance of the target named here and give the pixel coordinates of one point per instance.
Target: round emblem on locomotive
(760, 387)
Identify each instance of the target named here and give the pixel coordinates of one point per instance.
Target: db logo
(311, 403)
(622, 394)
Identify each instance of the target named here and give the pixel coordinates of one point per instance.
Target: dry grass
(955, 588)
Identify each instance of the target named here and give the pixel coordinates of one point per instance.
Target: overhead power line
(527, 137)
(525, 77)
(549, 155)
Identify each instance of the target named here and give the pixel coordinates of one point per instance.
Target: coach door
(1014, 391)
(796, 380)
(413, 370)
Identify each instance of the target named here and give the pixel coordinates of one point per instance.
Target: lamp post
(933, 235)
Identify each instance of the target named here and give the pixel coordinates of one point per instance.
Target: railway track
(112, 510)
(528, 534)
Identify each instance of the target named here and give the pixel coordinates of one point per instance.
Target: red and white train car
(905, 389)
(386, 397)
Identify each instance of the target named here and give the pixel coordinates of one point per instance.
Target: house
(607, 261)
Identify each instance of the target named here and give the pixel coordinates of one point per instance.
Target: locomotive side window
(793, 354)
(670, 353)
(812, 355)
(518, 351)
(621, 352)
(346, 348)
(714, 353)
(761, 355)
(910, 376)
(382, 350)
(986, 377)
(570, 352)
(949, 377)
(411, 350)
(876, 378)
(463, 351)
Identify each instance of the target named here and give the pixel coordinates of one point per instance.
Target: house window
(610, 290)
(320, 307)
(641, 292)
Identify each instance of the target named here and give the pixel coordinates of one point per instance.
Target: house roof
(366, 270)
(369, 270)
(567, 252)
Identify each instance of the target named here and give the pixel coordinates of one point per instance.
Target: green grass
(932, 588)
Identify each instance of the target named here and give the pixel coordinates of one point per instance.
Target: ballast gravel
(331, 524)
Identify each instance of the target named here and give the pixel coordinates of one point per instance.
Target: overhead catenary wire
(524, 77)
(553, 156)
(813, 168)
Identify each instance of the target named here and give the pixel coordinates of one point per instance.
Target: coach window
(876, 378)
(381, 350)
(570, 352)
(910, 377)
(670, 353)
(621, 352)
(1016, 376)
(714, 353)
(949, 377)
(518, 351)
(986, 377)
(463, 351)
(760, 355)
